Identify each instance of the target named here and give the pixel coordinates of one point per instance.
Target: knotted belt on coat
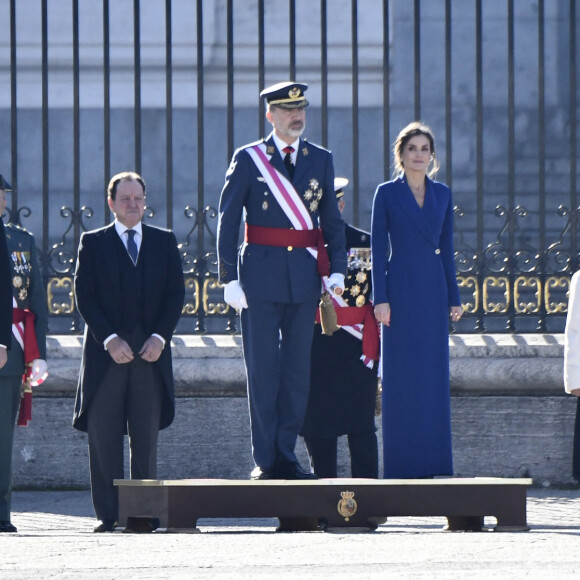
(26, 318)
(351, 315)
(296, 238)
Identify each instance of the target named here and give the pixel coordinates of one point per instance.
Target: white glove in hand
(39, 372)
(336, 283)
(235, 296)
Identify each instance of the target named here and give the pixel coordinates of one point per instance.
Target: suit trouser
(364, 456)
(9, 403)
(277, 340)
(128, 399)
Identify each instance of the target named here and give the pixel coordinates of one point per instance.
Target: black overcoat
(101, 303)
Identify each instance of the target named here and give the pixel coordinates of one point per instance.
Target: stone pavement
(55, 540)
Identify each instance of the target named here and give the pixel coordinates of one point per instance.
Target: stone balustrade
(510, 415)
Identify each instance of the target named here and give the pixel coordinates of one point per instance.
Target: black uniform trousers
(10, 387)
(128, 400)
(363, 449)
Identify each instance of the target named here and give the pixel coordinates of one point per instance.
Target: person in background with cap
(26, 364)
(283, 186)
(129, 289)
(343, 370)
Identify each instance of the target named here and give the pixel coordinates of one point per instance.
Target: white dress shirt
(122, 231)
(281, 144)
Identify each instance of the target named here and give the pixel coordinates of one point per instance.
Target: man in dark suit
(343, 375)
(283, 186)
(129, 290)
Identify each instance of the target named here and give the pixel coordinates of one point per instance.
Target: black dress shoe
(105, 526)
(259, 473)
(293, 471)
(6, 526)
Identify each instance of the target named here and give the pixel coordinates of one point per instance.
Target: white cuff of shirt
(109, 339)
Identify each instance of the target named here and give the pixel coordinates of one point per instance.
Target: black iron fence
(169, 89)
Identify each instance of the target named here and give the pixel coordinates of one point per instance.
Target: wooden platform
(325, 503)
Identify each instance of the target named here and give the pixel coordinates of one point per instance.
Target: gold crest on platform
(347, 506)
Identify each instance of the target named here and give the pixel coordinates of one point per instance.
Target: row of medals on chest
(311, 196)
(21, 265)
(357, 276)
(358, 258)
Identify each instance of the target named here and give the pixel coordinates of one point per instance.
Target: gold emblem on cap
(294, 93)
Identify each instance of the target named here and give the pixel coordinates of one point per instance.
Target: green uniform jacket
(28, 290)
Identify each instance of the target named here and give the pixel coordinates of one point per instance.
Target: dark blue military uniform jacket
(278, 274)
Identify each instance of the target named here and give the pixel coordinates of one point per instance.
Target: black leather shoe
(259, 473)
(293, 471)
(6, 526)
(105, 526)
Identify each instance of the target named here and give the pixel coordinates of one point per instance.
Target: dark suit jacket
(268, 272)
(5, 292)
(101, 304)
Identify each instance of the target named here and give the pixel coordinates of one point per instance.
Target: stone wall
(510, 416)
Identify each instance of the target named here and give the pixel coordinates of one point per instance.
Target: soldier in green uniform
(26, 364)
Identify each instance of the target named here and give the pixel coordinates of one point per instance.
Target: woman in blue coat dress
(415, 293)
